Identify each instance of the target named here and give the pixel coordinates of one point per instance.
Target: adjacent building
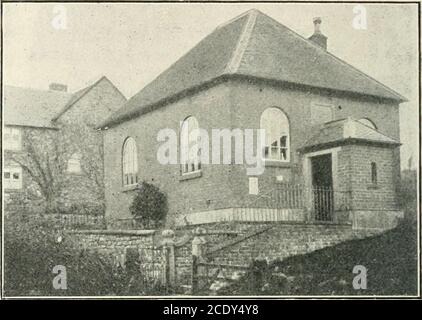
(53, 155)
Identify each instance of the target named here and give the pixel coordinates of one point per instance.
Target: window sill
(130, 188)
(190, 175)
(13, 150)
(13, 190)
(74, 173)
(373, 187)
(277, 163)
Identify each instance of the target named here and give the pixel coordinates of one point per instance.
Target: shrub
(408, 195)
(149, 206)
(32, 250)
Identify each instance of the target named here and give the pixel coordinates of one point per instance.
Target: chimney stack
(318, 38)
(58, 87)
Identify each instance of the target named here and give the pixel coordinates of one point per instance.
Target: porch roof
(346, 131)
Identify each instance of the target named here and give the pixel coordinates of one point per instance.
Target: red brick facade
(239, 104)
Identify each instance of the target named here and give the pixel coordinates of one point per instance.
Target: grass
(390, 260)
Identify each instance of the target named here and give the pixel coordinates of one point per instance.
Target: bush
(31, 251)
(408, 195)
(149, 206)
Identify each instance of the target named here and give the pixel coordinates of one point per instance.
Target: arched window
(189, 144)
(130, 162)
(367, 122)
(74, 163)
(276, 126)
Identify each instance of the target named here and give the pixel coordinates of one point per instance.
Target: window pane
(276, 126)
(283, 141)
(7, 175)
(283, 153)
(74, 163)
(275, 153)
(16, 176)
(189, 145)
(12, 139)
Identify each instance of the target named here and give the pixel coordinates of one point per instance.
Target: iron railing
(320, 202)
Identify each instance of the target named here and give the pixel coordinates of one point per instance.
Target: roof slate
(347, 130)
(30, 107)
(253, 45)
(39, 108)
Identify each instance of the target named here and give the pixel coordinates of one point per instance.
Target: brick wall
(284, 240)
(355, 175)
(251, 99)
(234, 104)
(79, 124)
(211, 190)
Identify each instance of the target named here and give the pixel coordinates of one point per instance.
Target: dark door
(322, 184)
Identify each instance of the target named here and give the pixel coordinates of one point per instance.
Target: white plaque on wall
(253, 185)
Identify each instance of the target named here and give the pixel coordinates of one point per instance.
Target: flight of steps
(245, 242)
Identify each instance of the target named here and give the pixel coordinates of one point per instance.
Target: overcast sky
(132, 43)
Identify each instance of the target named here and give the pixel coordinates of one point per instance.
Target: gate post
(169, 258)
(198, 243)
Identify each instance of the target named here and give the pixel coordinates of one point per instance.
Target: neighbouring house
(331, 150)
(53, 155)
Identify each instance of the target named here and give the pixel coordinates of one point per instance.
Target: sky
(132, 43)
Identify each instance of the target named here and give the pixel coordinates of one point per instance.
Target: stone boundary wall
(283, 240)
(116, 243)
(167, 255)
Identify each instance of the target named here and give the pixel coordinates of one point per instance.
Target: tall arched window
(368, 122)
(189, 145)
(276, 126)
(130, 162)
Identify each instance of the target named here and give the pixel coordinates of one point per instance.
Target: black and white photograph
(210, 150)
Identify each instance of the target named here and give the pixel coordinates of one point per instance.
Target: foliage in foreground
(390, 260)
(149, 206)
(32, 250)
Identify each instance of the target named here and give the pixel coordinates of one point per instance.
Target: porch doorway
(322, 187)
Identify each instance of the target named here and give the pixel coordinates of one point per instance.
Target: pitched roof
(30, 107)
(81, 93)
(39, 108)
(253, 45)
(346, 130)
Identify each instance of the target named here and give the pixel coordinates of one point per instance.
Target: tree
(43, 158)
(149, 206)
(45, 154)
